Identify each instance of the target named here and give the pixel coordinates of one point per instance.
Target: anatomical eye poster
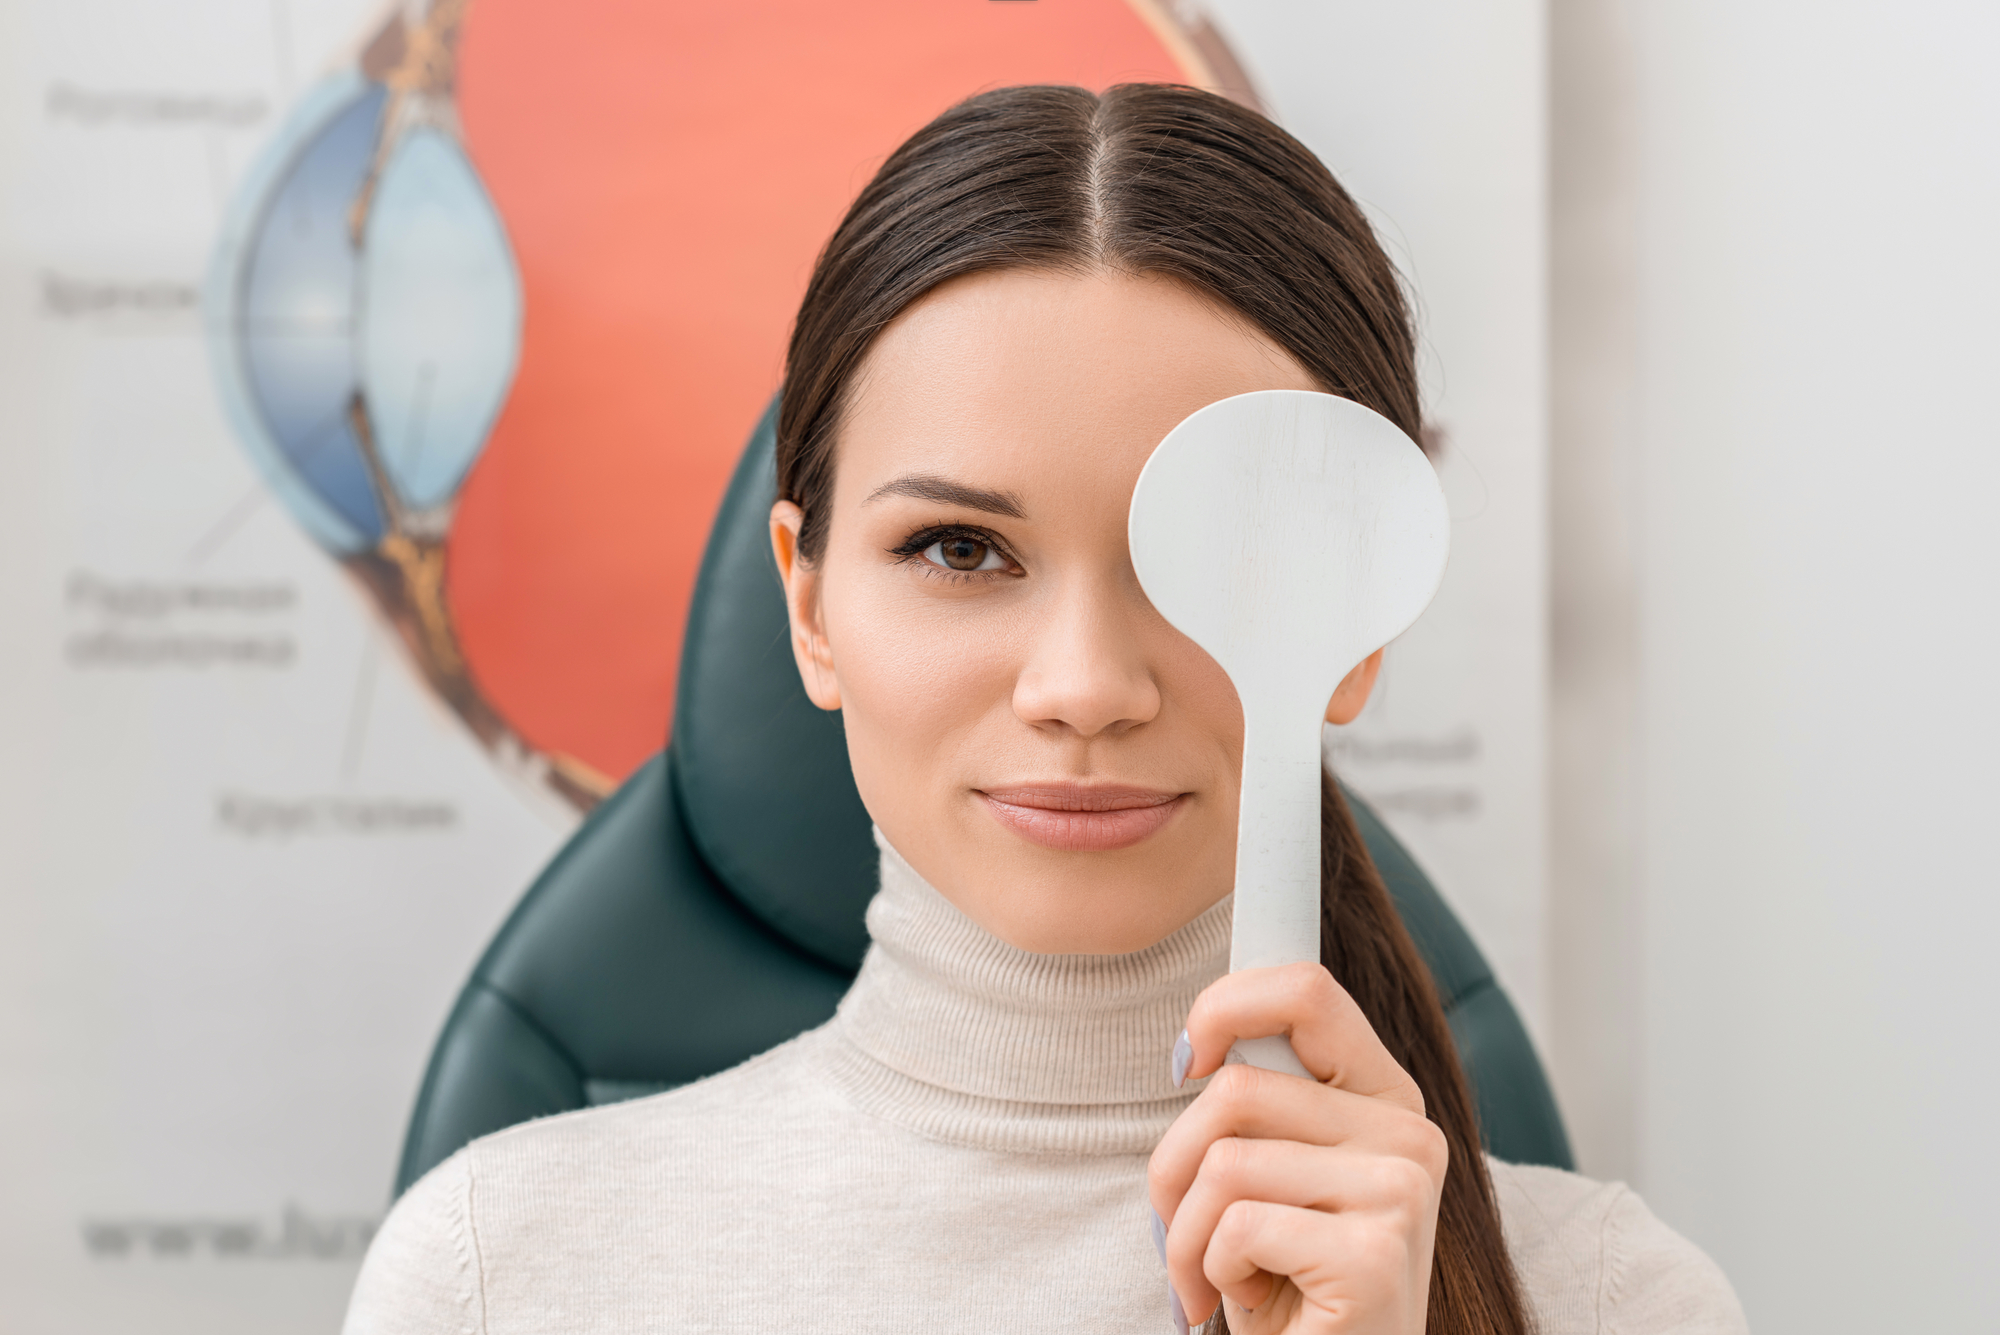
(369, 376)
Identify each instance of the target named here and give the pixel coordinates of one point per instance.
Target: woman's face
(1028, 732)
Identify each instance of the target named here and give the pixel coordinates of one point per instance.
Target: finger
(1245, 1102)
(1302, 1002)
(1341, 1263)
(1282, 1172)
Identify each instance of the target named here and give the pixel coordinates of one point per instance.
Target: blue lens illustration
(364, 310)
(296, 302)
(439, 320)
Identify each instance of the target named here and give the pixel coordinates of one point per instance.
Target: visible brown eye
(964, 552)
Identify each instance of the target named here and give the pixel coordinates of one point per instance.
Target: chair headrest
(760, 772)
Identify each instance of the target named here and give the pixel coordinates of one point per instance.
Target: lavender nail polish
(1180, 1314)
(1160, 1235)
(1183, 1058)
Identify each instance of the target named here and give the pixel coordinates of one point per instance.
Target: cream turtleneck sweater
(962, 1148)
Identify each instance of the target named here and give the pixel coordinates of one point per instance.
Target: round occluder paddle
(1290, 534)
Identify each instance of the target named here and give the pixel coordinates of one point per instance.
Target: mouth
(1080, 818)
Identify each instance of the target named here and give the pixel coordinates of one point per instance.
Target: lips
(1080, 818)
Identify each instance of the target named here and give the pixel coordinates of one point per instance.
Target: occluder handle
(1270, 1054)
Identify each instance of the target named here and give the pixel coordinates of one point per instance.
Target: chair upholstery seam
(527, 1017)
(677, 785)
(1484, 984)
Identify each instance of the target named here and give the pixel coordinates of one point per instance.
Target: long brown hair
(1162, 180)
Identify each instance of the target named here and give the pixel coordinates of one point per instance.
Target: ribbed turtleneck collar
(958, 1035)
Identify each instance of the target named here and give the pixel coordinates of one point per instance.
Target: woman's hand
(1306, 1207)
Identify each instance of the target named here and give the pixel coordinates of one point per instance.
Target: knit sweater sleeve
(1593, 1260)
(423, 1273)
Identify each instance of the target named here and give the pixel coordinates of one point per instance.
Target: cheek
(1206, 700)
(921, 684)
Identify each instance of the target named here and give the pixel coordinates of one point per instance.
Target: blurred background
(369, 375)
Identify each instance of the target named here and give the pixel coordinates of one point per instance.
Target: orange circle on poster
(667, 173)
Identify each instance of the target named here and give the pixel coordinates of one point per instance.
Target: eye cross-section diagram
(366, 313)
(501, 303)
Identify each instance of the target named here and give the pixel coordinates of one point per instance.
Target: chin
(1050, 901)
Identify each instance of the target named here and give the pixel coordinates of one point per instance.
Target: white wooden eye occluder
(1290, 534)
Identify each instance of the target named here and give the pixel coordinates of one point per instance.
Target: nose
(1087, 671)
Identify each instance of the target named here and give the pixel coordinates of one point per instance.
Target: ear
(802, 582)
(1352, 693)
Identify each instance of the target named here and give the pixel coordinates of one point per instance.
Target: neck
(954, 1032)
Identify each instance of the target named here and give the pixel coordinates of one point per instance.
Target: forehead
(1042, 382)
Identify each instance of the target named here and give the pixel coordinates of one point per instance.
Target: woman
(1027, 1077)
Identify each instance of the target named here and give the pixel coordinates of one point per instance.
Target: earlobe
(1352, 694)
(801, 581)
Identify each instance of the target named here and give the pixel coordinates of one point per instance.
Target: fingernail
(1180, 1314)
(1160, 1235)
(1183, 1058)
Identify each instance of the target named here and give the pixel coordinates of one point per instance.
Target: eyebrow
(929, 487)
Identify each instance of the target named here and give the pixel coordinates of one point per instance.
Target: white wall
(1594, 1053)
(1818, 215)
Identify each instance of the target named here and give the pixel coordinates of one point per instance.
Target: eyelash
(912, 548)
